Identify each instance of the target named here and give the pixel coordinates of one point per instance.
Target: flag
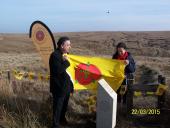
(85, 71)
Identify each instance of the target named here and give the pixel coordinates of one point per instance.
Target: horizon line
(91, 31)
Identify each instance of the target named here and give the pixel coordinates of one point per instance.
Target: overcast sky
(85, 15)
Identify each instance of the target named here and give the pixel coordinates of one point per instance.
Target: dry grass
(28, 104)
(17, 109)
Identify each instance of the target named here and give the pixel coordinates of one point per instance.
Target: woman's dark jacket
(60, 83)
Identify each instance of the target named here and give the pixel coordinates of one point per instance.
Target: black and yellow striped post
(151, 89)
(129, 98)
(161, 98)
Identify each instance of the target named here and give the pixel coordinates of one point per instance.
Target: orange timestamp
(145, 111)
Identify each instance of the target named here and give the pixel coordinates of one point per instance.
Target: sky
(16, 16)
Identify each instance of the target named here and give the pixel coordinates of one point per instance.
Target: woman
(122, 54)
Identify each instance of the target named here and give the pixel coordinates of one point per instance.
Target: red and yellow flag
(85, 71)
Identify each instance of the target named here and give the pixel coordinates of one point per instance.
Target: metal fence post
(129, 98)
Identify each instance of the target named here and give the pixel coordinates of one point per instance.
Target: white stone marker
(106, 105)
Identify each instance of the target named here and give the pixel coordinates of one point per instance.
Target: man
(60, 83)
(122, 54)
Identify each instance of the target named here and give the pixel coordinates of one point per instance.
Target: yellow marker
(137, 93)
(18, 75)
(150, 93)
(40, 76)
(47, 77)
(161, 89)
(123, 89)
(31, 75)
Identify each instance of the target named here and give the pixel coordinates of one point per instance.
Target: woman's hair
(62, 40)
(121, 45)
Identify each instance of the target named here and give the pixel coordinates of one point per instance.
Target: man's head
(121, 48)
(64, 44)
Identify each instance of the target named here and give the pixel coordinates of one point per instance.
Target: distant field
(151, 49)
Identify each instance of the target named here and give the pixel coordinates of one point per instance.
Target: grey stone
(106, 105)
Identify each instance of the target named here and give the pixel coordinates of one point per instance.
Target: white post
(106, 105)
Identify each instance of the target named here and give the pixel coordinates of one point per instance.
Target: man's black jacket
(60, 83)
